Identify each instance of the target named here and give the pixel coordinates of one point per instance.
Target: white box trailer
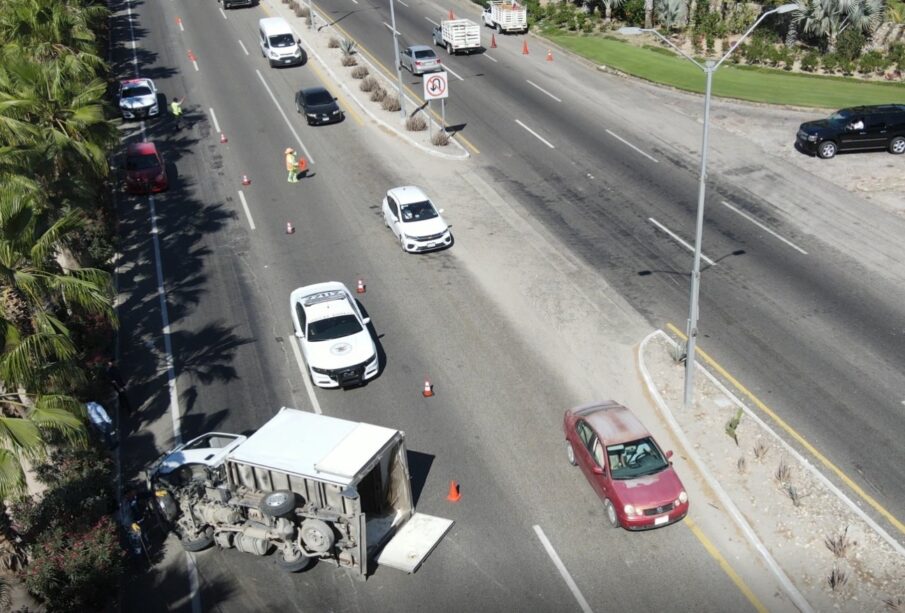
(458, 36)
(307, 487)
(506, 16)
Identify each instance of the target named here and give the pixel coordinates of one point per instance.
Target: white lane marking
(214, 118)
(223, 13)
(305, 376)
(651, 158)
(536, 135)
(490, 58)
(241, 44)
(195, 64)
(132, 39)
(402, 3)
(355, 1)
(194, 584)
(285, 118)
(432, 21)
(564, 573)
(390, 28)
(181, 28)
(765, 228)
(251, 222)
(533, 84)
(675, 237)
(448, 69)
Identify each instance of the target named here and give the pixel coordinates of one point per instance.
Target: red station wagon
(625, 466)
(145, 172)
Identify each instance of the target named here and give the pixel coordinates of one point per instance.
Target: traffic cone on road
(360, 289)
(451, 14)
(223, 137)
(289, 228)
(525, 48)
(246, 180)
(493, 41)
(549, 55)
(428, 388)
(454, 495)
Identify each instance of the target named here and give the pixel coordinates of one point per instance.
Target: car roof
(324, 300)
(142, 149)
(421, 48)
(407, 194)
(613, 422)
(140, 81)
(875, 108)
(313, 90)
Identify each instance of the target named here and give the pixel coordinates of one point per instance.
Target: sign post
(436, 86)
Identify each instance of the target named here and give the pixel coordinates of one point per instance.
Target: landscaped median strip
(752, 84)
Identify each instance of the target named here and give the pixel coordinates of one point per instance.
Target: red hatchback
(145, 172)
(625, 466)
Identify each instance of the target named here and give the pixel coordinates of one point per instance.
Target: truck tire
(295, 562)
(278, 503)
(202, 542)
(317, 535)
(499, 29)
(449, 49)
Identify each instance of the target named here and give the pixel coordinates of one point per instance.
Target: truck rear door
(413, 542)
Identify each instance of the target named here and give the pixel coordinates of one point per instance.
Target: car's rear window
(141, 162)
(426, 53)
(136, 90)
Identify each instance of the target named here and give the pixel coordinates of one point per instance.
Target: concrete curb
(794, 595)
(464, 155)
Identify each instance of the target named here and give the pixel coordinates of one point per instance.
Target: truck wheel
(317, 535)
(204, 541)
(448, 48)
(166, 506)
(278, 503)
(291, 560)
(499, 29)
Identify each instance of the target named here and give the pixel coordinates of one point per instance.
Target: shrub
(440, 138)
(390, 103)
(347, 45)
(810, 61)
(302, 11)
(76, 571)
(293, 5)
(830, 62)
(368, 84)
(872, 61)
(333, 43)
(758, 51)
(849, 44)
(416, 123)
(587, 27)
(897, 55)
(378, 94)
(349, 60)
(631, 12)
(360, 72)
(784, 55)
(847, 67)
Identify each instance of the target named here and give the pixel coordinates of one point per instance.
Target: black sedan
(318, 105)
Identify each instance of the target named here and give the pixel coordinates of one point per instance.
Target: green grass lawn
(758, 85)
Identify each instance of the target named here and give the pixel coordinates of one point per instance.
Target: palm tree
(608, 6)
(827, 19)
(648, 12)
(671, 13)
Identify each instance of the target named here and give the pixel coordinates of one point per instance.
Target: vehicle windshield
(136, 91)
(635, 459)
(426, 53)
(322, 97)
(282, 40)
(334, 327)
(142, 162)
(840, 117)
(418, 211)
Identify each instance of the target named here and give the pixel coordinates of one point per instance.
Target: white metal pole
(396, 54)
(443, 114)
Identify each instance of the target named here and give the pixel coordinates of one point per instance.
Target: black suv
(859, 128)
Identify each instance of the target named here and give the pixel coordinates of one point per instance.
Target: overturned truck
(304, 487)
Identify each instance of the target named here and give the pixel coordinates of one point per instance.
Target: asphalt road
(493, 425)
(815, 335)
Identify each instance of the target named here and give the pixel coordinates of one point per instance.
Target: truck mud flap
(414, 542)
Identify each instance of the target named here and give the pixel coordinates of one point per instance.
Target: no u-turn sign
(436, 86)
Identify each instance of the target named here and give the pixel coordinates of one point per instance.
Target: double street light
(709, 67)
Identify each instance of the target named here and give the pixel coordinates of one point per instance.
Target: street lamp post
(709, 67)
(396, 55)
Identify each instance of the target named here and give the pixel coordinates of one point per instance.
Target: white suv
(138, 99)
(333, 335)
(412, 217)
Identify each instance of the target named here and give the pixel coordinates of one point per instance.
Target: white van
(278, 43)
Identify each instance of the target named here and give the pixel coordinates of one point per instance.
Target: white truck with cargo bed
(506, 16)
(458, 36)
(305, 486)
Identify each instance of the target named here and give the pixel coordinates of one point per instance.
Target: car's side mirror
(299, 335)
(597, 470)
(669, 454)
(366, 320)
(440, 211)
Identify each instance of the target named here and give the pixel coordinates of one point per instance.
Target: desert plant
(378, 94)
(416, 123)
(792, 491)
(830, 62)
(872, 61)
(440, 139)
(895, 604)
(333, 43)
(839, 544)
(390, 103)
(732, 425)
(293, 5)
(742, 465)
(810, 61)
(360, 72)
(303, 11)
(837, 578)
(783, 472)
(347, 46)
(760, 449)
(349, 60)
(368, 84)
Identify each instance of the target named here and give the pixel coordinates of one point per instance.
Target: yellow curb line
(799, 438)
(392, 76)
(724, 564)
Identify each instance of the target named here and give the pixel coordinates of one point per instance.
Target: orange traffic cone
(289, 228)
(525, 48)
(451, 15)
(493, 41)
(549, 55)
(360, 289)
(223, 137)
(428, 388)
(246, 180)
(454, 495)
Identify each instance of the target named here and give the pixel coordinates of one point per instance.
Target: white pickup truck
(305, 486)
(458, 36)
(506, 16)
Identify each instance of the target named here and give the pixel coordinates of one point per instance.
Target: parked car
(318, 105)
(419, 59)
(625, 466)
(138, 99)
(860, 128)
(333, 334)
(145, 170)
(414, 220)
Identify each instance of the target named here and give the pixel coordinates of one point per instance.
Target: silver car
(419, 59)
